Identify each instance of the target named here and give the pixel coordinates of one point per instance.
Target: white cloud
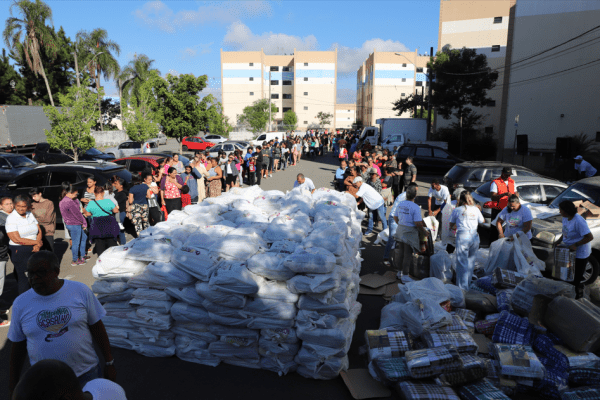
(350, 58)
(159, 15)
(193, 51)
(240, 37)
(214, 90)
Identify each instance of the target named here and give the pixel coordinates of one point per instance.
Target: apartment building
(345, 116)
(385, 77)
(305, 82)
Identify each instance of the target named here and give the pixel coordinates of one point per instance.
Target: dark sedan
(13, 165)
(428, 159)
(44, 154)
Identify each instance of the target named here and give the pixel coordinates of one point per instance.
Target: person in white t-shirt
(410, 222)
(53, 379)
(373, 201)
(584, 168)
(304, 183)
(58, 319)
(392, 226)
(465, 217)
(517, 218)
(441, 195)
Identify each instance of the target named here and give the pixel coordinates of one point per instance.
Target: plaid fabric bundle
(391, 370)
(467, 316)
(426, 363)
(549, 355)
(457, 325)
(518, 361)
(426, 391)
(463, 342)
(386, 343)
(486, 326)
(504, 278)
(583, 393)
(578, 359)
(474, 368)
(548, 388)
(484, 285)
(503, 300)
(482, 390)
(512, 329)
(580, 376)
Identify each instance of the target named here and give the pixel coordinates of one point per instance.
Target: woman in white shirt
(25, 237)
(465, 217)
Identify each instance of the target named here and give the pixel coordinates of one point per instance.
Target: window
(228, 147)
(489, 129)
(32, 180)
(423, 152)
(4, 163)
(404, 65)
(126, 145)
(286, 69)
(287, 83)
(305, 122)
(305, 79)
(251, 93)
(306, 64)
(493, 174)
(439, 153)
(274, 95)
(275, 83)
(491, 103)
(530, 193)
(251, 64)
(135, 145)
(261, 137)
(274, 69)
(495, 48)
(287, 96)
(597, 136)
(404, 152)
(251, 78)
(286, 109)
(305, 107)
(134, 166)
(419, 69)
(306, 93)
(403, 79)
(419, 84)
(552, 191)
(403, 94)
(276, 109)
(497, 20)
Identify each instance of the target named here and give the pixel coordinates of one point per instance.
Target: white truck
(395, 132)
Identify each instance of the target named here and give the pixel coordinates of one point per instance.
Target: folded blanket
(463, 342)
(426, 363)
(426, 391)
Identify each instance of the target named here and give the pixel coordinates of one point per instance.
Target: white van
(268, 136)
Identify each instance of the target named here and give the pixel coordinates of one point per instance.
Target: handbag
(104, 227)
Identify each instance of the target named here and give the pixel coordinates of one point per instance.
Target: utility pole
(269, 99)
(76, 69)
(429, 81)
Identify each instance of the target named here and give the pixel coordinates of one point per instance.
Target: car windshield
(484, 190)
(93, 152)
(456, 173)
(578, 191)
(21, 161)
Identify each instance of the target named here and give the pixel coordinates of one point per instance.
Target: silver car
(228, 147)
(162, 138)
(531, 190)
(216, 139)
(131, 148)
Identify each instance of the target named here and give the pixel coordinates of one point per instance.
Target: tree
(134, 75)
(462, 79)
(70, 127)
(410, 104)
(100, 60)
(32, 26)
(176, 104)
(324, 118)
(218, 123)
(111, 109)
(257, 115)
(8, 94)
(138, 121)
(290, 120)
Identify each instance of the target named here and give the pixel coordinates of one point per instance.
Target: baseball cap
(579, 158)
(357, 179)
(507, 170)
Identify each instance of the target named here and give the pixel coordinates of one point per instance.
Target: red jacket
(502, 188)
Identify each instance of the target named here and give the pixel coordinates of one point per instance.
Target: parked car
(162, 138)
(49, 179)
(216, 139)
(195, 143)
(13, 165)
(44, 154)
(267, 137)
(138, 164)
(185, 159)
(131, 148)
(534, 190)
(227, 148)
(472, 174)
(547, 226)
(393, 141)
(427, 158)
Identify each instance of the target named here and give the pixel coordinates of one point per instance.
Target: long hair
(465, 199)
(66, 189)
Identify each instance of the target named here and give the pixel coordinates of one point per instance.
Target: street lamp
(12, 84)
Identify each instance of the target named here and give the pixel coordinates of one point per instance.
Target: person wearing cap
(372, 200)
(584, 169)
(500, 191)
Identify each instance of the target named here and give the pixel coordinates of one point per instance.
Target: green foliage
(8, 95)
(256, 116)
(409, 104)
(324, 118)
(70, 127)
(139, 121)
(290, 120)
(218, 123)
(134, 75)
(176, 104)
(110, 110)
(479, 146)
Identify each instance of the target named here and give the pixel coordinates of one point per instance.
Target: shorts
(230, 179)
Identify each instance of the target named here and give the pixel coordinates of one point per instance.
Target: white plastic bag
(441, 266)
(184, 312)
(274, 290)
(267, 308)
(457, 297)
(234, 277)
(199, 263)
(161, 275)
(390, 317)
(424, 314)
(311, 260)
(315, 283)
(223, 298)
(501, 256)
(270, 265)
(187, 294)
(428, 288)
(194, 350)
(526, 261)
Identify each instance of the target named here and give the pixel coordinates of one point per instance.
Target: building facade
(385, 77)
(345, 116)
(305, 82)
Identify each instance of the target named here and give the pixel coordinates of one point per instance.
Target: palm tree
(134, 75)
(100, 60)
(32, 25)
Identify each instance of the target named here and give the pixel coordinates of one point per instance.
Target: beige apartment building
(385, 77)
(345, 116)
(305, 82)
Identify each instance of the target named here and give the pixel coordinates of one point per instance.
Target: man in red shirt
(500, 190)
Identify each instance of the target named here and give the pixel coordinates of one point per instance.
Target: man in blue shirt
(339, 176)
(392, 226)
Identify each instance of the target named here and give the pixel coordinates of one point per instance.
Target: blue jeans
(467, 243)
(122, 239)
(283, 163)
(79, 239)
(381, 212)
(391, 243)
(94, 373)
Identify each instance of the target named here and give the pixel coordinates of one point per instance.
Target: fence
(109, 138)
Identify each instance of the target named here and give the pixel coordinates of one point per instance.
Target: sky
(185, 37)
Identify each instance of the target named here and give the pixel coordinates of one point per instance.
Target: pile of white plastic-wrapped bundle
(251, 278)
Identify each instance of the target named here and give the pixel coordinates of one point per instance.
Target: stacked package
(251, 278)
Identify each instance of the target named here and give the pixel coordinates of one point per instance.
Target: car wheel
(591, 271)
(184, 148)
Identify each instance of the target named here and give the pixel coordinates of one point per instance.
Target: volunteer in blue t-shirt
(517, 218)
(410, 222)
(392, 226)
(576, 234)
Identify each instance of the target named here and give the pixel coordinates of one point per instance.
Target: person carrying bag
(104, 228)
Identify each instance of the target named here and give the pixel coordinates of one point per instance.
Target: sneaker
(4, 323)
(368, 233)
(271, 175)
(75, 263)
(81, 261)
(87, 257)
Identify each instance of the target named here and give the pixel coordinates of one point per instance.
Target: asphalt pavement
(171, 378)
